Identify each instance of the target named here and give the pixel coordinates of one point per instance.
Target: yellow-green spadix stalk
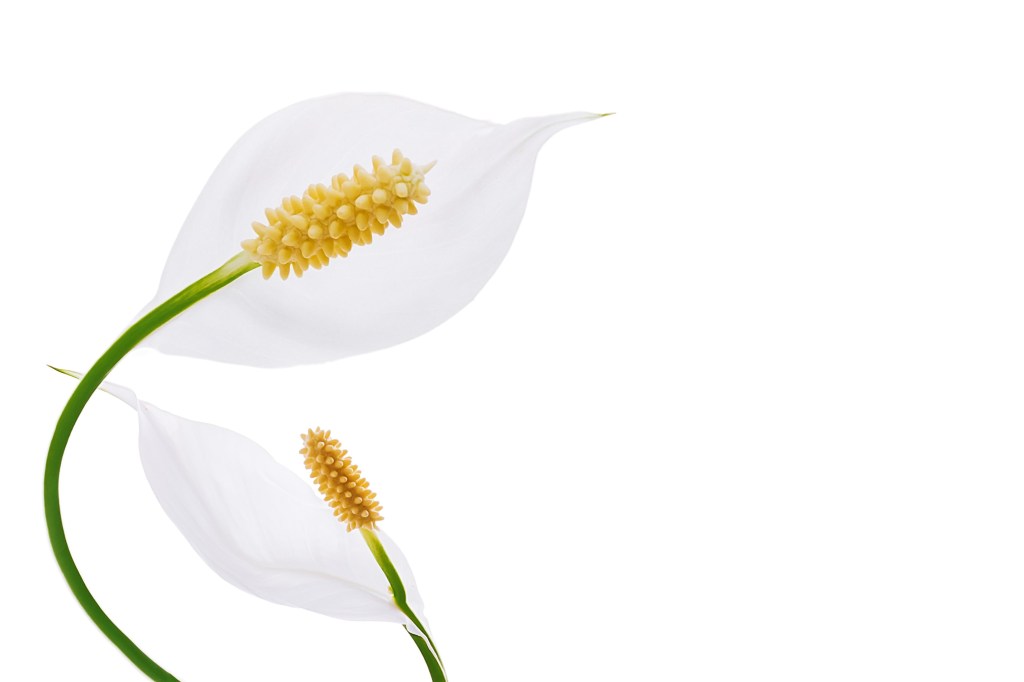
(262, 529)
(409, 281)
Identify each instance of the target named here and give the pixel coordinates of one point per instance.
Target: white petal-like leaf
(405, 283)
(258, 525)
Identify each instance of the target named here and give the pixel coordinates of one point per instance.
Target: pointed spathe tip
(65, 372)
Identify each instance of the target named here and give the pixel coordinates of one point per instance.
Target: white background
(743, 402)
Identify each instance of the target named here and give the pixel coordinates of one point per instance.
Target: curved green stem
(429, 656)
(227, 273)
(427, 648)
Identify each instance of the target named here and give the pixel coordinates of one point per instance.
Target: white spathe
(407, 282)
(259, 526)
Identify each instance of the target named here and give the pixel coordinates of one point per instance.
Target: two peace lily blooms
(254, 523)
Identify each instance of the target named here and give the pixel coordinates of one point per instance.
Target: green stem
(427, 648)
(431, 659)
(227, 273)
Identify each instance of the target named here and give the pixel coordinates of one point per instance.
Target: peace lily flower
(421, 268)
(263, 529)
(403, 273)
